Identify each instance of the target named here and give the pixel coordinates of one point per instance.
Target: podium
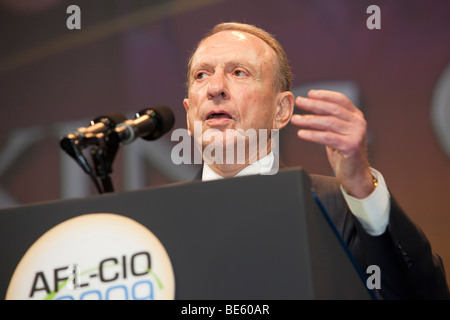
(253, 237)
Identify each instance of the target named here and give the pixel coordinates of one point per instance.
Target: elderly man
(238, 78)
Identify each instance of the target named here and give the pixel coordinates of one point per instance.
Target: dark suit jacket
(409, 268)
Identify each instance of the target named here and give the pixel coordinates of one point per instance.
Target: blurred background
(130, 55)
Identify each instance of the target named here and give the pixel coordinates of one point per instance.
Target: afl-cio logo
(98, 256)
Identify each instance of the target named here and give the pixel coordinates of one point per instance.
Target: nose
(217, 87)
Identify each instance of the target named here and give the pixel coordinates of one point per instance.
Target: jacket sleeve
(409, 268)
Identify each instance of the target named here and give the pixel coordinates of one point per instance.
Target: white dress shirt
(372, 212)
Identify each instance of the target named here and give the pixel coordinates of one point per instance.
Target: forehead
(233, 45)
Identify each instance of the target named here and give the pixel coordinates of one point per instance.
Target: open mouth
(218, 115)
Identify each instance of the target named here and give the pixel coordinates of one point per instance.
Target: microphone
(99, 125)
(107, 132)
(73, 142)
(149, 124)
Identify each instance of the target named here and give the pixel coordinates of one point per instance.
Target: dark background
(130, 55)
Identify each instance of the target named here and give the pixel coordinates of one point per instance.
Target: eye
(200, 75)
(239, 73)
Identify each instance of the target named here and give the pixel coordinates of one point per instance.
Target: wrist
(361, 188)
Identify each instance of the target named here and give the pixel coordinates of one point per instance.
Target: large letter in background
(349, 88)
(73, 181)
(17, 142)
(140, 154)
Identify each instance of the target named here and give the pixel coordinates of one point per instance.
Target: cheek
(193, 106)
(259, 110)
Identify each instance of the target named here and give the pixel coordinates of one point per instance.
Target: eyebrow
(229, 64)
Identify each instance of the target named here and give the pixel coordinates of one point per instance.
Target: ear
(186, 107)
(285, 109)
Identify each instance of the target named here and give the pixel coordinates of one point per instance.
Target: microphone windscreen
(165, 120)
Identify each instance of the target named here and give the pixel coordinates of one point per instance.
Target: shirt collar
(262, 166)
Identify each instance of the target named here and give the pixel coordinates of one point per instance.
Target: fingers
(324, 123)
(334, 121)
(322, 137)
(347, 145)
(331, 106)
(333, 97)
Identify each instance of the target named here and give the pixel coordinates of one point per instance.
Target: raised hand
(336, 123)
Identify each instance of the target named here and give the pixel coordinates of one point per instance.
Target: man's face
(231, 84)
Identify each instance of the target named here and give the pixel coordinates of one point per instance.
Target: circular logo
(440, 110)
(98, 256)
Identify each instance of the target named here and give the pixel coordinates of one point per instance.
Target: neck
(237, 164)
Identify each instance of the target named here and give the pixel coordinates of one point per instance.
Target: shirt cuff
(373, 211)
